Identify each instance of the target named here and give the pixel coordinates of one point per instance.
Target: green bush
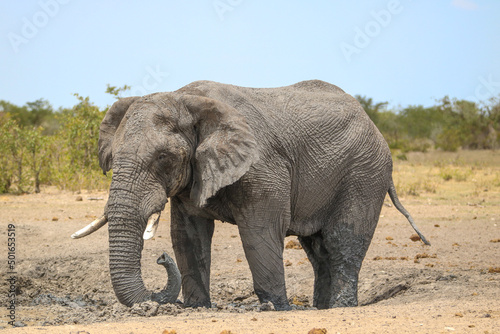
(449, 125)
(77, 164)
(449, 140)
(67, 157)
(43, 146)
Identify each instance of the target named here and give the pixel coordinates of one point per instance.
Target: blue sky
(404, 52)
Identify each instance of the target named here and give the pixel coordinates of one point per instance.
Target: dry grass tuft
(425, 256)
(448, 176)
(293, 244)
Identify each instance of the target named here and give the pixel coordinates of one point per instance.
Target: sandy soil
(63, 285)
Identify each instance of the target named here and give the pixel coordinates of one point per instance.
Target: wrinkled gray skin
(300, 160)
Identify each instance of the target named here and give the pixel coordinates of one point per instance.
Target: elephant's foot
(347, 300)
(344, 296)
(345, 292)
(206, 304)
(280, 303)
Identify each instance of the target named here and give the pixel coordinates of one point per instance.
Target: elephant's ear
(109, 124)
(226, 146)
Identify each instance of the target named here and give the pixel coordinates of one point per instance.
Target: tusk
(152, 226)
(90, 228)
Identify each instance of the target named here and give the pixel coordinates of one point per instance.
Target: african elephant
(301, 160)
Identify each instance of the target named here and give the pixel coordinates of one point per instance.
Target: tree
(422, 123)
(78, 136)
(116, 91)
(493, 114)
(390, 126)
(7, 170)
(32, 114)
(468, 125)
(12, 154)
(39, 112)
(38, 156)
(370, 108)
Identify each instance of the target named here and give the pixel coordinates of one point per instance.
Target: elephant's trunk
(125, 249)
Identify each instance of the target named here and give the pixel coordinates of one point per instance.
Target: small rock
(54, 219)
(166, 331)
(19, 324)
(79, 198)
(317, 331)
(447, 278)
(415, 238)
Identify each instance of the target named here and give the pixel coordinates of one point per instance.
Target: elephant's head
(159, 146)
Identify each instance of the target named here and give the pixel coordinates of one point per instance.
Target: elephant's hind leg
(336, 260)
(346, 239)
(318, 256)
(346, 251)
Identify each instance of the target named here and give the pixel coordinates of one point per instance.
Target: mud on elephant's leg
(264, 252)
(192, 240)
(318, 256)
(346, 251)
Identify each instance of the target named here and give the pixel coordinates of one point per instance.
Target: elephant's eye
(162, 156)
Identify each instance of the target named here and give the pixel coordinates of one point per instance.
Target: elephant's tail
(400, 207)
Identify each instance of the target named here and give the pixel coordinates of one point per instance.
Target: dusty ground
(63, 285)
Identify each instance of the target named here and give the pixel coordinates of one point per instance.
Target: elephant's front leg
(192, 240)
(264, 252)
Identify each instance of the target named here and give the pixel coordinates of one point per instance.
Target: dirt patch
(63, 285)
